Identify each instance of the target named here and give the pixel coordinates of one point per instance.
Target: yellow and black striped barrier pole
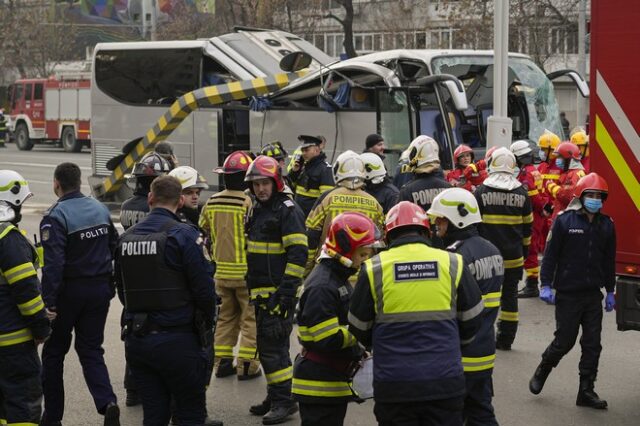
(185, 105)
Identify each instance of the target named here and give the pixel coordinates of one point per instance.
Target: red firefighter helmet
(265, 167)
(405, 213)
(591, 182)
(490, 152)
(237, 161)
(350, 231)
(463, 149)
(567, 150)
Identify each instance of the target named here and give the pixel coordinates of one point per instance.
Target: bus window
(37, 92)
(394, 123)
(148, 77)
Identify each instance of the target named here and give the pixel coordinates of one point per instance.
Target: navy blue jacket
(133, 210)
(184, 252)
(485, 264)
(386, 193)
(580, 256)
(78, 238)
(423, 188)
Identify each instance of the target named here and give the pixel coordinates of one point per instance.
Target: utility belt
(141, 326)
(341, 365)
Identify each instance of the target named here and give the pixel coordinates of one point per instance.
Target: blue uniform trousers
(169, 366)
(82, 307)
(20, 387)
(443, 412)
(478, 410)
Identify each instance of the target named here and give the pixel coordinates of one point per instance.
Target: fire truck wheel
(22, 138)
(69, 141)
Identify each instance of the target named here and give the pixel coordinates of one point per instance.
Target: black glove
(276, 327)
(548, 208)
(281, 305)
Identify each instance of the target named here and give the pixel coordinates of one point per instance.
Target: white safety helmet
(189, 177)
(425, 150)
(374, 167)
(520, 148)
(457, 205)
(348, 170)
(502, 161)
(14, 191)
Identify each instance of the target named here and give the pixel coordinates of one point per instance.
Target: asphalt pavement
(229, 400)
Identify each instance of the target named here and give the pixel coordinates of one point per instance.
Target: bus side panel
(286, 125)
(206, 143)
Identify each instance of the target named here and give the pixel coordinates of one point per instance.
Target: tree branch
(332, 16)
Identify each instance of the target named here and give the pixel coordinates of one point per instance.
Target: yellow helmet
(581, 139)
(548, 142)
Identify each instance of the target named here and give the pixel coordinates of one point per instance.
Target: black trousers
(322, 414)
(508, 318)
(572, 312)
(478, 410)
(20, 386)
(444, 412)
(273, 350)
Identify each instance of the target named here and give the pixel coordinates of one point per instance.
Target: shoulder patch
(455, 246)
(289, 203)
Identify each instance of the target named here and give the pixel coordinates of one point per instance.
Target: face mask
(516, 171)
(543, 155)
(592, 205)
(560, 163)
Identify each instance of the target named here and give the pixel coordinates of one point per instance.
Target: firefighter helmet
(405, 213)
(502, 161)
(265, 167)
(548, 140)
(348, 232)
(457, 205)
(237, 161)
(14, 191)
(425, 150)
(463, 149)
(374, 167)
(520, 148)
(151, 165)
(490, 152)
(189, 178)
(580, 138)
(349, 170)
(275, 150)
(567, 150)
(592, 182)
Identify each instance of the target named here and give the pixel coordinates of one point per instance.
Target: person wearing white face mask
(579, 260)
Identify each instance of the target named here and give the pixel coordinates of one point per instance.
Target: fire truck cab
(56, 110)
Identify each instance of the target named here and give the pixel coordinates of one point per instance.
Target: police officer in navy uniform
(415, 306)
(136, 208)
(456, 214)
(78, 238)
(276, 256)
(580, 259)
(166, 285)
(311, 174)
(23, 321)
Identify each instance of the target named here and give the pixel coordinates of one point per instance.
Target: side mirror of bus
(580, 82)
(453, 85)
(295, 61)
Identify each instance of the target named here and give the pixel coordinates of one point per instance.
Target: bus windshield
(531, 101)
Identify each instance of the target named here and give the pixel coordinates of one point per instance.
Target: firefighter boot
(539, 377)
(587, 397)
(530, 289)
(225, 368)
(246, 372)
(262, 408)
(279, 414)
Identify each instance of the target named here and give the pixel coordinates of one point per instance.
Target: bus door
(394, 122)
(233, 132)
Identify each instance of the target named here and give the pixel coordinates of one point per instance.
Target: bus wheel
(69, 141)
(22, 138)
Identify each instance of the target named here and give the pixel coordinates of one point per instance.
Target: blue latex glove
(546, 295)
(609, 302)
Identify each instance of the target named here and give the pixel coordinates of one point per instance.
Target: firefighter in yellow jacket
(348, 196)
(223, 221)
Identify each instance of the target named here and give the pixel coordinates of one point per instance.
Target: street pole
(582, 61)
(499, 125)
(154, 20)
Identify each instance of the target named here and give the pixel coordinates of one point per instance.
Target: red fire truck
(615, 144)
(56, 110)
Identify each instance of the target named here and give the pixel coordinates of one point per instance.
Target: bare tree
(187, 24)
(532, 25)
(346, 21)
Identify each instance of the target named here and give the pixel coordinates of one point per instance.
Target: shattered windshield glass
(532, 104)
